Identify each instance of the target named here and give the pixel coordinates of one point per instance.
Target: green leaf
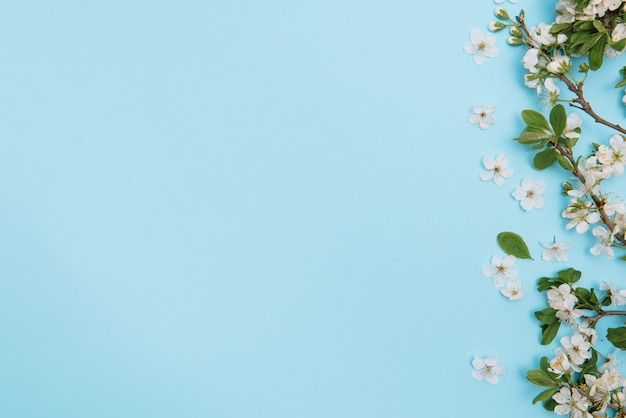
(547, 316)
(550, 404)
(591, 365)
(513, 244)
(623, 82)
(535, 119)
(558, 119)
(532, 137)
(564, 162)
(541, 378)
(623, 257)
(599, 26)
(619, 45)
(617, 337)
(596, 54)
(569, 275)
(545, 395)
(548, 332)
(545, 158)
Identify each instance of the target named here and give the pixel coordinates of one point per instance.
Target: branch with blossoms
(579, 30)
(559, 57)
(579, 380)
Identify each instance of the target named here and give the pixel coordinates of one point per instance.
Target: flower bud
(496, 26)
(502, 13)
(516, 31)
(513, 40)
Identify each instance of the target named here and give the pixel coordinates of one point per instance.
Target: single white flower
(560, 365)
(531, 59)
(541, 34)
(601, 387)
(560, 64)
(610, 362)
(614, 157)
(487, 369)
(588, 332)
(561, 298)
(565, 11)
(617, 296)
(498, 170)
(570, 401)
(581, 214)
(501, 270)
(572, 125)
(605, 241)
(557, 251)
(549, 94)
(513, 290)
(569, 315)
(577, 347)
(615, 207)
(483, 116)
(481, 45)
(530, 194)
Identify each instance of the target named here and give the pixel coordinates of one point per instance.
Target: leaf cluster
(547, 137)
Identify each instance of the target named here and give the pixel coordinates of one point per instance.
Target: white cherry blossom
(530, 194)
(513, 290)
(501, 270)
(557, 251)
(498, 169)
(605, 242)
(483, 116)
(487, 369)
(617, 296)
(481, 45)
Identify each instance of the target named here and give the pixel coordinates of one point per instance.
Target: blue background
(237, 209)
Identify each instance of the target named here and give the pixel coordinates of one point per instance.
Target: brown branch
(582, 104)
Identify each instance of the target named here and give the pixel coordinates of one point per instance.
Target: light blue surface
(239, 209)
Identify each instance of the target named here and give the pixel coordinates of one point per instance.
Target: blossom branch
(597, 200)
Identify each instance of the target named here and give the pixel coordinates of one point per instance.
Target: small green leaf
(545, 158)
(548, 332)
(532, 137)
(619, 45)
(545, 395)
(617, 337)
(535, 119)
(550, 404)
(547, 316)
(513, 244)
(596, 54)
(564, 162)
(541, 378)
(569, 275)
(623, 82)
(599, 26)
(558, 119)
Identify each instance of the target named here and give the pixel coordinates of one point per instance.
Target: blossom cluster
(559, 57)
(581, 382)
